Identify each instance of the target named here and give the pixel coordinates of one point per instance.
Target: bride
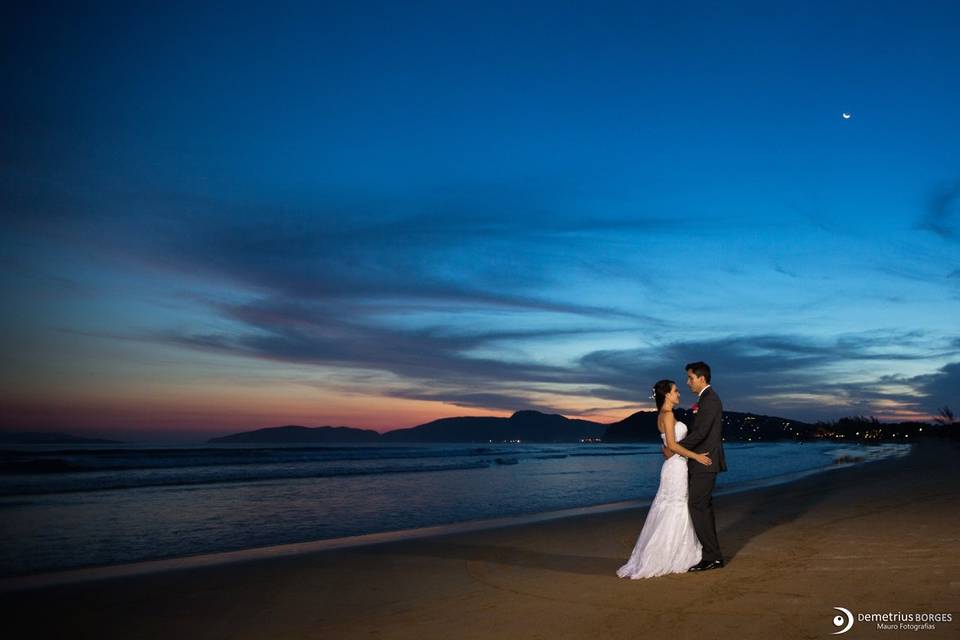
(667, 542)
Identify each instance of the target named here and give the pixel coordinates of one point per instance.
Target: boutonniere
(695, 407)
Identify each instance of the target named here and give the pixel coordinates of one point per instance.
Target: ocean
(64, 507)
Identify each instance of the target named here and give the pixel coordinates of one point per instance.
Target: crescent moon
(846, 116)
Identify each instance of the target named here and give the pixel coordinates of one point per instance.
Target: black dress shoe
(706, 565)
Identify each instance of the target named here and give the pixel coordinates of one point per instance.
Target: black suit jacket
(706, 434)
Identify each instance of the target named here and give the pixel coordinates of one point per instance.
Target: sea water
(65, 507)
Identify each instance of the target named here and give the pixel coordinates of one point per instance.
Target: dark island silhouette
(42, 437)
(299, 434)
(528, 426)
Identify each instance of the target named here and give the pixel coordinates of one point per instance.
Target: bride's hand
(704, 459)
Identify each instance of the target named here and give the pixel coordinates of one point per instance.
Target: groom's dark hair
(700, 369)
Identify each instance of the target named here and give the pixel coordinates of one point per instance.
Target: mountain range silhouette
(525, 426)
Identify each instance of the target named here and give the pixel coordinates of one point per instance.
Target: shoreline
(145, 567)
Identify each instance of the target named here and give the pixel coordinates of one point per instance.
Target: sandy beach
(874, 538)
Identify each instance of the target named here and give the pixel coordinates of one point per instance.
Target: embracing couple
(680, 532)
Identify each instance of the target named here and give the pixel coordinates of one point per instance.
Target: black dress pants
(700, 500)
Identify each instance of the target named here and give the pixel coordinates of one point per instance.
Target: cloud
(513, 251)
(301, 332)
(941, 212)
(782, 270)
(763, 373)
(939, 388)
(795, 375)
(409, 287)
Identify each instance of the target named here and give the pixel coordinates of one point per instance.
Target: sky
(379, 214)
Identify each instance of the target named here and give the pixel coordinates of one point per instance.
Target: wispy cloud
(940, 216)
(938, 388)
(765, 373)
(467, 304)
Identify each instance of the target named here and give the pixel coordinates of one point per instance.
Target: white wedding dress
(667, 542)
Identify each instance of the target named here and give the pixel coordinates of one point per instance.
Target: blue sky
(377, 214)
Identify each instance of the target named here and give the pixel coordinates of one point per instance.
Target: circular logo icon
(845, 621)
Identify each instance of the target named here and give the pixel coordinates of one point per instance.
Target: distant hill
(298, 434)
(637, 427)
(27, 437)
(737, 427)
(527, 426)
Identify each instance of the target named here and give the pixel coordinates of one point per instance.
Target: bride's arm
(672, 444)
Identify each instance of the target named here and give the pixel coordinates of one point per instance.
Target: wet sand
(879, 537)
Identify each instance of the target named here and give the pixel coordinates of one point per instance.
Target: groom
(706, 436)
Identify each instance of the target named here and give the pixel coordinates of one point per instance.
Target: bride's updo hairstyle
(660, 391)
